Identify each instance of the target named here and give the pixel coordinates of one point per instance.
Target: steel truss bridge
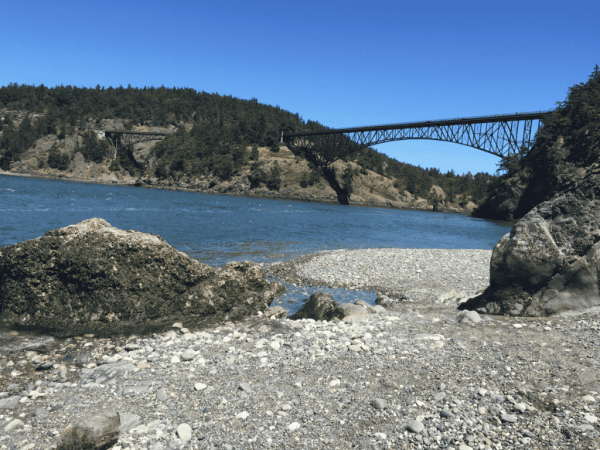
(125, 138)
(501, 135)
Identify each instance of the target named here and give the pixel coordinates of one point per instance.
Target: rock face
(94, 278)
(550, 260)
(503, 203)
(94, 431)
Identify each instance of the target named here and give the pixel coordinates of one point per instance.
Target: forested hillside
(211, 138)
(567, 144)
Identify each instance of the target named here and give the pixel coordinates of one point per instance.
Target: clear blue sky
(340, 63)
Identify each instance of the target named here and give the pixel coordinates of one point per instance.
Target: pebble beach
(417, 376)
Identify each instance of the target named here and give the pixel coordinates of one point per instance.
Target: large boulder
(550, 260)
(94, 278)
(319, 306)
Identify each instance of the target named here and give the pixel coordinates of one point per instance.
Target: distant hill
(215, 143)
(565, 147)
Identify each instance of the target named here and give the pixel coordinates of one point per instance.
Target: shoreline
(416, 274)
(412, 376)
(245, 195)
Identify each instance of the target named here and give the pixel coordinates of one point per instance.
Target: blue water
(216, 229)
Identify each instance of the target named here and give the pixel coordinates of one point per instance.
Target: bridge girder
(502, 135)
(123, 138)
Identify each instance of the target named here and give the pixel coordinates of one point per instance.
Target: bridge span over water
(501, 135)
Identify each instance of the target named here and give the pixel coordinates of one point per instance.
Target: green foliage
(274, 178)
(114, 165)
(257, 178)
(15, 140)
(57, 159)
(126, 160)
(571, 133)
(254, 153)
(223, 127)
(310, 178)
(347, 178)
(223, 166)
(93, 149)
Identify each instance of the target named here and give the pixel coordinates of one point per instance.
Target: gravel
(413, 376)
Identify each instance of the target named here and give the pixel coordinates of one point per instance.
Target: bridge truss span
(126, 138)
(500, 135)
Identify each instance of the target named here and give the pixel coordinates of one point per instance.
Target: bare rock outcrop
(94, 278)
(550, 260)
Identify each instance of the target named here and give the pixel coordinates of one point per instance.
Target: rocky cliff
(566, 146)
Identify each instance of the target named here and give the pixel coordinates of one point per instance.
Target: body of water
(217, 229)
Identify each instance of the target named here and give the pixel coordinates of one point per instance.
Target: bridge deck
(429, 123)
(142, 133)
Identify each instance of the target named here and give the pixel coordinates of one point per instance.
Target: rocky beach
(415, 374)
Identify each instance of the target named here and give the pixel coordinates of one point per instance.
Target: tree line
(222, 130)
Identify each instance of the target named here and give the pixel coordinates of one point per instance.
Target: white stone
(590, 418)
(175, 360)
(177, 325)
(243, 415)
(293, 426)
(588, 399)
(13, 425)
(200, 386)
(380, 436)
(521, 407)
(188, 354)
(184, 431)
(334, 383)
(275, 345)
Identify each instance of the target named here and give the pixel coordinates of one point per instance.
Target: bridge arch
(499, 135)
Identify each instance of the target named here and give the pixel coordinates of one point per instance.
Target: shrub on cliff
(57, 159)
(570, 139)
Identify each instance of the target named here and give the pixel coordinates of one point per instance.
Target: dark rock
(94, 278)
(45, 366)
(94, 431)
(319, 306)
(550, 260)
